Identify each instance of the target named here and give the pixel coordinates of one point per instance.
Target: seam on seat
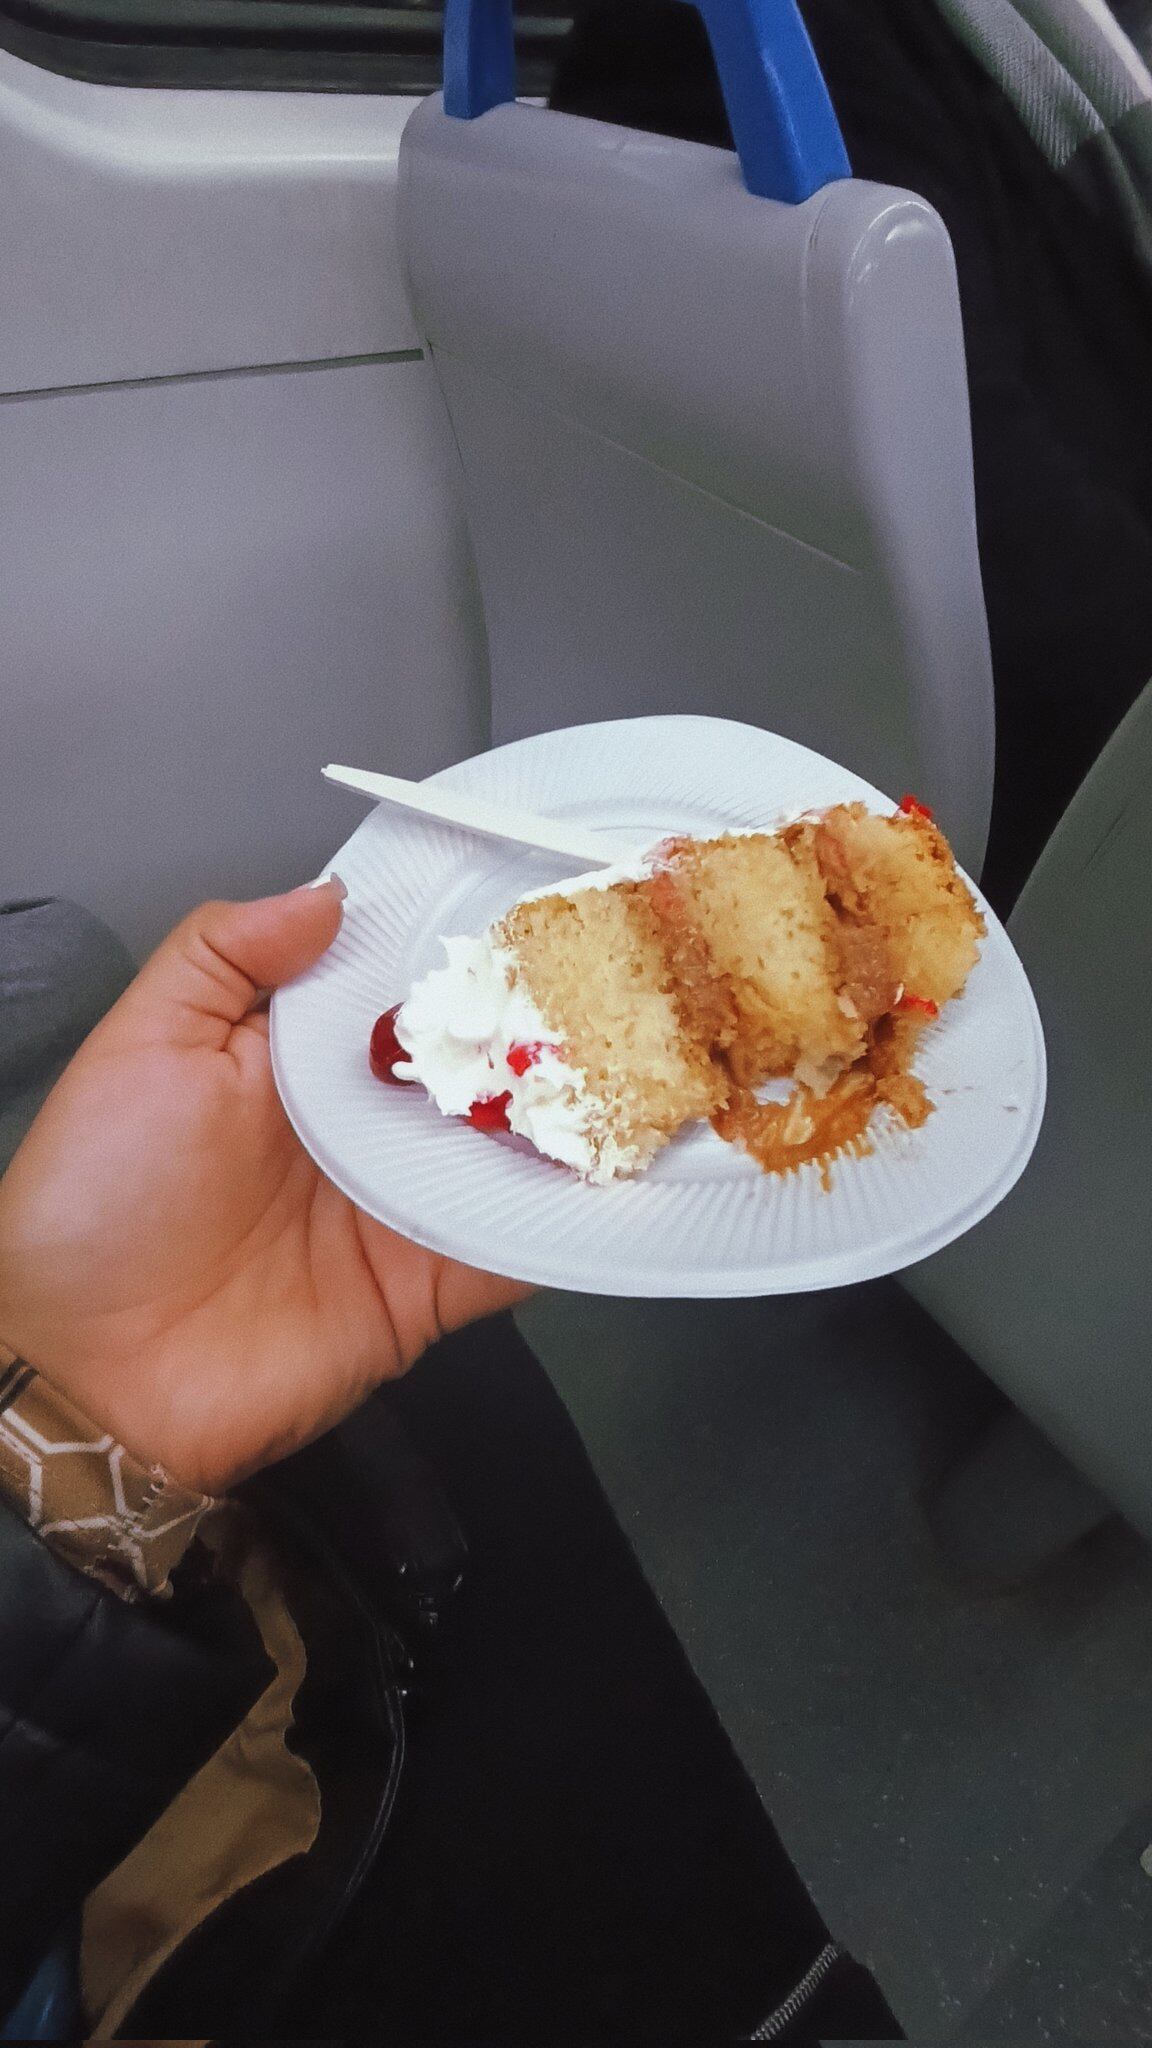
(524, 394)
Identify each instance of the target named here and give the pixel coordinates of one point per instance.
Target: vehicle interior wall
(234, 538)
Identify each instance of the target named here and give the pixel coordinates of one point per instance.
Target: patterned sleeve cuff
(89, 1499)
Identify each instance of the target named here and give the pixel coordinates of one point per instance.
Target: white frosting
(458, 1025)
(639, 866)
(636, 869)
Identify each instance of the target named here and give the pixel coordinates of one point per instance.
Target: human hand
(170, 1257)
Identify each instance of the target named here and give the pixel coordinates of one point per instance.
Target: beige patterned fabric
(121, 1522)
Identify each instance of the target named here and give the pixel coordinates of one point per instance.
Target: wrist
(112, 1517)
(106, 1393)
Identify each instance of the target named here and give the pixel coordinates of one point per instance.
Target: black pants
(576, 1854)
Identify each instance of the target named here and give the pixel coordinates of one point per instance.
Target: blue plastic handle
(786, 132)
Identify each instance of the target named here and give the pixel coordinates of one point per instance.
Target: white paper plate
(704, 1220)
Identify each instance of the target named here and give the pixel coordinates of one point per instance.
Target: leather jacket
(105, 1711)
(108, 1711)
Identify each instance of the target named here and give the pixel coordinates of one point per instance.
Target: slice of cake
(599, 1018)
(561, 1023)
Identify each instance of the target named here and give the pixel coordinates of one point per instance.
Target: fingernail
(329, 881)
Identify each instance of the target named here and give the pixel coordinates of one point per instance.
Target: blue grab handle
(786, 132)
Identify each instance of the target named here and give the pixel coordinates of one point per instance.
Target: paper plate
(704, 1220)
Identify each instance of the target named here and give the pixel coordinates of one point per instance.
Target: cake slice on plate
(598, 1019)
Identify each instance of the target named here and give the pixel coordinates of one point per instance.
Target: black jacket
(575, 1853)
(105, 1712)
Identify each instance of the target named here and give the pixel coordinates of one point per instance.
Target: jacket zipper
(779, 2021)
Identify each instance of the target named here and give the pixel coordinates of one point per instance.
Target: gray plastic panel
(208, 590)
(146, 232)
(716, 448)
(1050, 1294)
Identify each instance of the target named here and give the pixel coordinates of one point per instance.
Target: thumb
(209, 971)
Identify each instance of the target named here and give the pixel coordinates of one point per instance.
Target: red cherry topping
(913, 808)
(384, 1048)
(924, 1003)
(521, 1057)
(490, 1112)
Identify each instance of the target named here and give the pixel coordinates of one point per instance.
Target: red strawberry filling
(384, 1048)
(490, 1112)
(521, 1057)
(487, 1113)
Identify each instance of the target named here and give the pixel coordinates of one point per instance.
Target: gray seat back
(716, 447)
(1050, 1294)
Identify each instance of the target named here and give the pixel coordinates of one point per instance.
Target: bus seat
(1049, 1294)
(1027, 125)
(715, 445)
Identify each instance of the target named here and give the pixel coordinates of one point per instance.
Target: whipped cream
(636, 869)
(459, 1024)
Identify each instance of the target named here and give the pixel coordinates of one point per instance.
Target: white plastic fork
(496, 821)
